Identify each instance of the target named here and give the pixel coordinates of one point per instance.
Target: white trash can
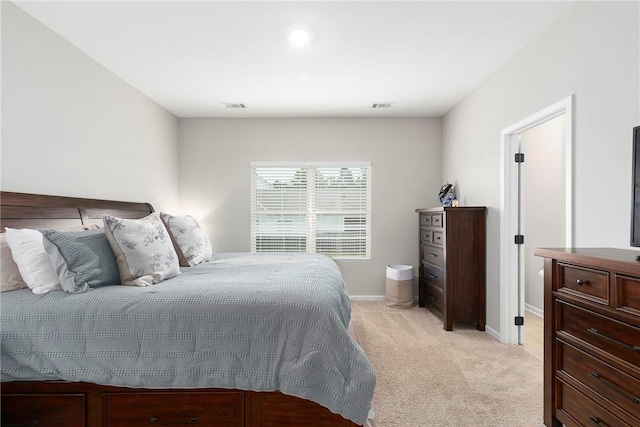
(399, 289)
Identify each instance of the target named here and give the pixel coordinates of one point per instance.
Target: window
(311, 208)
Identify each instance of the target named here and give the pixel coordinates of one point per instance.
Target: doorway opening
(536, 203)
(542, 218)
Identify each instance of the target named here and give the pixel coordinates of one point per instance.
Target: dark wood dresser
(453, 264)
(591, 337)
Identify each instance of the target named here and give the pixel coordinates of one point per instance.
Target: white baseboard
(367, 297)
(371, 297)
(492, 333)
(534, 310)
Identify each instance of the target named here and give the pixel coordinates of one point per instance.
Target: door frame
(511, 284)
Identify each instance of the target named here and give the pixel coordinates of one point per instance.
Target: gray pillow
(81, 259)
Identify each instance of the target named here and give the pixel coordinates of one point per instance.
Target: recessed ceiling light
(299, 37)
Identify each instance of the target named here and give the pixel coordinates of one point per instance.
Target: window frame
(312, 210)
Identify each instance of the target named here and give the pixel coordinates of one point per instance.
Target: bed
(242, 340)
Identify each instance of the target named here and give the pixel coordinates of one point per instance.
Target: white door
(542, 216)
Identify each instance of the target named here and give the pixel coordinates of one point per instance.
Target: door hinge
(519, 320)
(519, 239)
(519, 158)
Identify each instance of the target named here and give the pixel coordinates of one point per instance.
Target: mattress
(260, 322)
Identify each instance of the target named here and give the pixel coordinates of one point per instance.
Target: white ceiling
(191, 57)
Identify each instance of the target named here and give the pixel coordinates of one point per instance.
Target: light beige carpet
(427, 377)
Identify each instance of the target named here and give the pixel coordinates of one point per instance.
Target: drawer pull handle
(433, 255)
(615, 341)
(615, 388)
(580, 282)
(433, 276)
(597, 421)
(156, 421)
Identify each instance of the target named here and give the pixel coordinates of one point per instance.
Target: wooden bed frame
(58, 403)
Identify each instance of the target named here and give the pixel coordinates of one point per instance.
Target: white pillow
(144, 252)
(33, 262)
(10, 279)
(189, 239)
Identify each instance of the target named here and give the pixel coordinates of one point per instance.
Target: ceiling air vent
(233, 105)
(381, 105)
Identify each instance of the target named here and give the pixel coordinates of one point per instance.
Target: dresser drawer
(438, 238)
(584, 411)
(426, 236)
(435, 297)
(611, 383)
(628, 294)
(224, 409)
(583, 282)
(433, 276)
(425, 220)
(64, 410)
(616, 338)
(436, 220)
(433, 255)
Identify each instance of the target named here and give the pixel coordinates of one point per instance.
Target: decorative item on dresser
(452, 278)
(591, 337)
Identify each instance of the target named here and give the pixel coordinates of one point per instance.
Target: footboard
(92, 405)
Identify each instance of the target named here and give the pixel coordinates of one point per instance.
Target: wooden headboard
(23, 210)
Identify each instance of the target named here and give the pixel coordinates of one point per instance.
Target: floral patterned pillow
(189, 239)
(144, 252)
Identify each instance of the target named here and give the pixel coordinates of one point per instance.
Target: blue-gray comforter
(259, 322)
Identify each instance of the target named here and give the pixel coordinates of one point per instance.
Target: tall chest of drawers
(453, 264)
(591, 337)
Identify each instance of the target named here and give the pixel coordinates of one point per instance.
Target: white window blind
(311, 208)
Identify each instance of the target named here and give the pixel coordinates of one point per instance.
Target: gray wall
(71, 127)
(592, 52)
(215, 158)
